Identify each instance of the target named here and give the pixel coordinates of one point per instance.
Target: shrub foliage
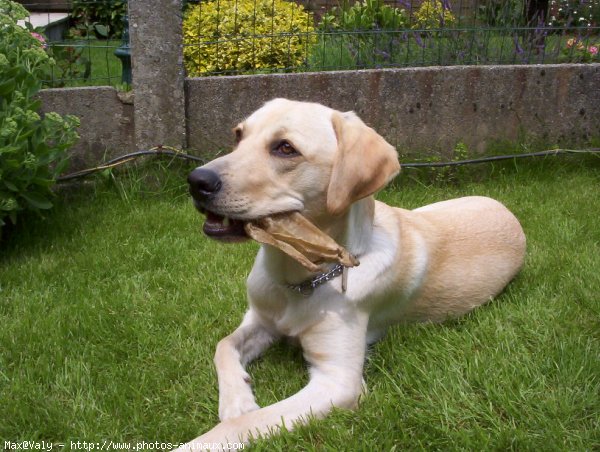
(102, 17)
(243, 36)
(433, 14)
(32, 148)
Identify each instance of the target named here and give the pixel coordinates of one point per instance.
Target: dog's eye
(285, 149)
(238, 134)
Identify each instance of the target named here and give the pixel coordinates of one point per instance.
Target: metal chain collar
(307, 287)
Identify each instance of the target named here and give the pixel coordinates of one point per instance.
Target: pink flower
(593, 50)
(40, 38)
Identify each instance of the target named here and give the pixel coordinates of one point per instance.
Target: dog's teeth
(226, 222)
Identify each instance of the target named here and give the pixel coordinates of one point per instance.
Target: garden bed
(112, 306)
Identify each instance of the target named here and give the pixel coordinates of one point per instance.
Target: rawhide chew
(299, 238)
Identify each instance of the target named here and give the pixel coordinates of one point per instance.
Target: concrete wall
(418, 110)
(107, 128)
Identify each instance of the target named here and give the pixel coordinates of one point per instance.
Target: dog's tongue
(300, 239)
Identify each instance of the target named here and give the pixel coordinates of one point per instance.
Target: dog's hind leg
(335, 349)
(233, 352)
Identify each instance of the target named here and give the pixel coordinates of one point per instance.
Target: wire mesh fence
(225, 37)
(81, 36)
(265, 36)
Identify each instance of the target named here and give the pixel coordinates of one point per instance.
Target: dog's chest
(284, 311)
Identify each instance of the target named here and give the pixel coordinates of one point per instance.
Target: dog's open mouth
(223, 228)
(290, 232)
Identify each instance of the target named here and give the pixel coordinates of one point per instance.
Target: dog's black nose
(204, 183)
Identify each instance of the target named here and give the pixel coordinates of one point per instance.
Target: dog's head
(291, 156)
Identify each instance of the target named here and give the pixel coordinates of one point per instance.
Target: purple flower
(518, 48)
(418, 40)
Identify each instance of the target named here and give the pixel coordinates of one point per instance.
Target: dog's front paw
(236, 403)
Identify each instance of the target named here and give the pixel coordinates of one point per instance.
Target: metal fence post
(123, 52)
(158, 74)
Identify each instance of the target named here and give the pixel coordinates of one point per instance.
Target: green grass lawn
(112, 305)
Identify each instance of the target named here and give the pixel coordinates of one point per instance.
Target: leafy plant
(433, 14)
(70, 65)
(104, 18)
(242, 36)
(69, 62)
(364, 15)
(577, 50)
(574, 13)
(363, 35)
(32, 149)
(500, 13)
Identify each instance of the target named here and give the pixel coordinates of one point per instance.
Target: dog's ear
(363, 164)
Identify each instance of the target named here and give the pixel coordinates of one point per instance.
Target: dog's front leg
(233, 352)
(335, 349)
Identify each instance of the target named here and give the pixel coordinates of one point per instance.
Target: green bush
(432, 14)
(242, 36)
(32, 149)
(104, 18)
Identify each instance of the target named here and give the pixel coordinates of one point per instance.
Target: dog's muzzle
(204, 184)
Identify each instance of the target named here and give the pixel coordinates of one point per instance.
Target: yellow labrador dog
(428, 264)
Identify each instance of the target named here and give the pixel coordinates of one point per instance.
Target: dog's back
(472, 247)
